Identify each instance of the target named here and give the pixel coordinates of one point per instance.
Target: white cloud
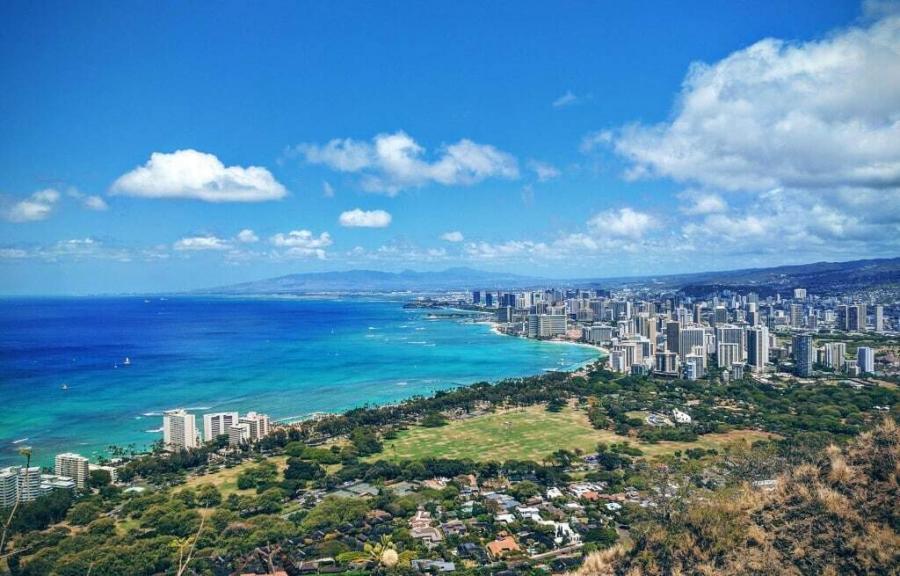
(365, 219)
(511, 249)
(567, 99)
(198, 243)
(702, 203)
(815, 115)
(91, 202)
(36, 207)
(76, 249)
(397, 251)
(393, 162)
(200, 176)
(302, 243)
(13, 253)
(95, 203)
(453, 236)
(624, 222)
(247, 236)
(327, 189)
(596, 140)
(543, 170)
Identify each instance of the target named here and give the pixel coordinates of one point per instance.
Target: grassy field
(528, 434)
(226, 479)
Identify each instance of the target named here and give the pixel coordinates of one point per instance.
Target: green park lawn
(527, 434)
(226, 479)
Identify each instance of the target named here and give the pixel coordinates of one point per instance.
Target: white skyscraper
(9, 486)
(179, 430)
(258, 423)
(727, 334)
(688, 338)
(238, 433)
(73, 466)
(217, 424)
(19, 482)
(727, 354)
(865, 359)
(834, 355)
(879, 318)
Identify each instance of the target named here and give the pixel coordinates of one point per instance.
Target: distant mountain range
(820, 277)
(375, 281)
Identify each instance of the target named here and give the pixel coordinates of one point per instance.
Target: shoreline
(495, 328)
(143, 439)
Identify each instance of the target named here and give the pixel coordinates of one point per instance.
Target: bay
(65, 384)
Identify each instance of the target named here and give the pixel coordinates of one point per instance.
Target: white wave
(20, 440)
(148, 414)
(154, 431)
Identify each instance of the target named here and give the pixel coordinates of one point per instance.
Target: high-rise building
(238, 433)
(258, 423)
(758, 348)
(727, 334)
(720, 315)
(803, 355)
(698, 312)
(617, 361)
(842, 313)
(690, 337)
(865, 359)
(217, 424)
(672, 336)
(694, 366)
(727, 354)
(476, 297)
(505, 314)
(19, 482)
(73, 466)
(489, 299)
(856, 318)
(834, 355)
(546, 325)
(179, 430)
(666, 362)
(878, 319)
(9, 486)
(799, 293)
(796, 315)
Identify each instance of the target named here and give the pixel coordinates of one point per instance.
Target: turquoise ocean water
(285, 357)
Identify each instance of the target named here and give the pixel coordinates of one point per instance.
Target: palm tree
(26, 452)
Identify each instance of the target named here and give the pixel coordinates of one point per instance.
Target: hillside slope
(839, 516)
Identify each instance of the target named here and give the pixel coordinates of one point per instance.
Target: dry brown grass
(836, 518)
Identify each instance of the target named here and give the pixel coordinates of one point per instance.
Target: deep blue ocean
(285, 357)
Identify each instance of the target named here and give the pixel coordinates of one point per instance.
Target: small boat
(64, 387)
(127, 361)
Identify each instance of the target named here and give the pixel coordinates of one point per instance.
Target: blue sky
(165, 146)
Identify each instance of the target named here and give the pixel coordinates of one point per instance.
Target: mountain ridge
(817, 276)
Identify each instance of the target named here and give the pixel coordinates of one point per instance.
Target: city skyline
(161, 150)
